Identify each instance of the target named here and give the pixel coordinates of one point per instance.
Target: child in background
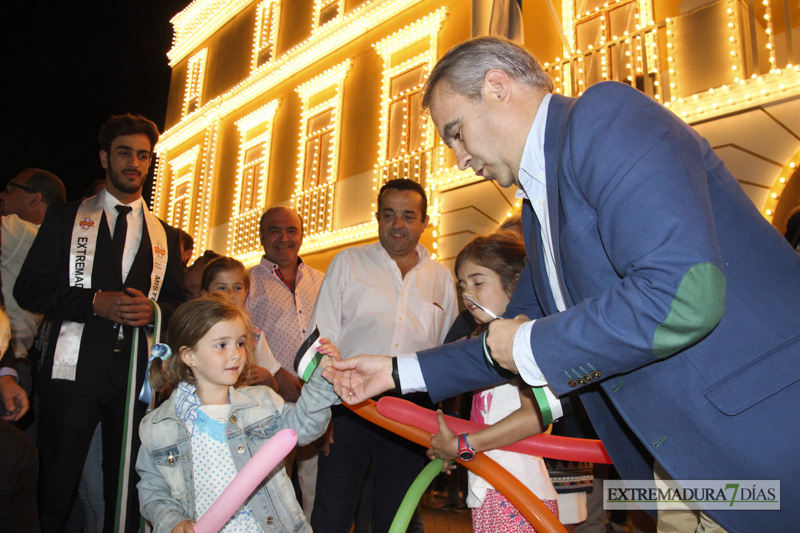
(228, 276)
(194, 443)
(487, 270)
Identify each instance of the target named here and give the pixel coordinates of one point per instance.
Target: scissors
(486, 351)
(482, 308)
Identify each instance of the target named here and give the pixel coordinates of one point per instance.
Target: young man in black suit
(95, 267)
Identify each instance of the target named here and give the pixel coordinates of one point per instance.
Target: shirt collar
(422, 253)
(531, 168)
(274, 266)
(110, 203)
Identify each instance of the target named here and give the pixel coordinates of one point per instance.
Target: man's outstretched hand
(360, 378)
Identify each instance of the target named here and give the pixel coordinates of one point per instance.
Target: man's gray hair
(464, 67)
(48, 184)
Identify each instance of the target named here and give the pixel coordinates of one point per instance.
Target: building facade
(315, 104)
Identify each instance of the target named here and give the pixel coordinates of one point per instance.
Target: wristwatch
(465, 451)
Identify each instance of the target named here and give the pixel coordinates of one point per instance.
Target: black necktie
(120, 233)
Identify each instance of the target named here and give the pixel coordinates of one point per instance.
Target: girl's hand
(187, 526)
(444, 445)
(331, 353)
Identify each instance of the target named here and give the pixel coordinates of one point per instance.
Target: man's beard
(124, 185)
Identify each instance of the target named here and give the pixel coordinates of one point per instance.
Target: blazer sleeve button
(596, 374)
(572, 383)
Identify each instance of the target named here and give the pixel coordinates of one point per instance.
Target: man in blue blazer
(653, 287)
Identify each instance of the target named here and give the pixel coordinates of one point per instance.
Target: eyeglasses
(11, 185)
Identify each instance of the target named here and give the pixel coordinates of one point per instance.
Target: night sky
(67, 66)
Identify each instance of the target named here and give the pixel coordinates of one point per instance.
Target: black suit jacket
(43, 286)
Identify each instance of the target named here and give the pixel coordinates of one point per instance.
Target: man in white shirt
(283, 290)
(387, 297)
(23, 204)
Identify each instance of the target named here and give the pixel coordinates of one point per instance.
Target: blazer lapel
(557, 116)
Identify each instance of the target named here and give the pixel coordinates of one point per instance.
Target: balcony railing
(244, 240)
(316, 207)
(415, 166)
(715, 59)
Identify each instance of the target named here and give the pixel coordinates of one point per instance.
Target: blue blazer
(682, 327)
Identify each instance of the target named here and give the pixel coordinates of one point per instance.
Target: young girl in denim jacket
(195, 442)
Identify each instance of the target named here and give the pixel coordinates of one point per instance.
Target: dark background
(67, 66)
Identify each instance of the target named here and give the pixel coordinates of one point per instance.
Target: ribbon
(128, 430)
(157, 351)
(544, 405)
(486, 349)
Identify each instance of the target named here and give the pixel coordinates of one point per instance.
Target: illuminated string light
(776, 191)
(427, 161)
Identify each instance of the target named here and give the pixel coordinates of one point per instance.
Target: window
(406, 140)
(179, 206)
(194, 82)
(252, 175)
(266, 32)
(255, 140)
(182, 170)
(319, 139)
(406, 122)
(317, 156)
(326, 11)
(607, 23)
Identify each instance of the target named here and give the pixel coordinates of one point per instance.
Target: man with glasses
(96, 267)
(29, 194)
(23, 204)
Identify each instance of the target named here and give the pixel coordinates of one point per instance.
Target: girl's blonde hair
(190, 323)
(223, 264)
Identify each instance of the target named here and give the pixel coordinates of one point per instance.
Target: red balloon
(553, 446)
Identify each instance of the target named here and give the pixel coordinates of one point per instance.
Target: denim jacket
(166, 489)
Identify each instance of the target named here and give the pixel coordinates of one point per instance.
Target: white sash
(83, 243)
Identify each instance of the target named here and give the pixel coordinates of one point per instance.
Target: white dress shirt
(365, 304)
(17, 238)
(135, 223)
